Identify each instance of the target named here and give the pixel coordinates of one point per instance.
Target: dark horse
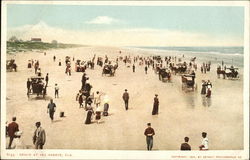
(219, 72)
(232, 74)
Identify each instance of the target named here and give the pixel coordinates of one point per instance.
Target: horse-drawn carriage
(80, 66)
(99, 61)
(11, 65)
(230, 73)
(109, 69)
(164, 75)
(38, 87)
(179, 68)
(188, 82)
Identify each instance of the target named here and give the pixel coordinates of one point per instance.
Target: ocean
(229, 55)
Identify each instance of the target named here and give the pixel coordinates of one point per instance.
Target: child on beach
(204, 142)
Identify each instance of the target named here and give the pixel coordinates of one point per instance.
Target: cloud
(123, 37)
(103, 20)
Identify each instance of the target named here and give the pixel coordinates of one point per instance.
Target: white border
(93, 154)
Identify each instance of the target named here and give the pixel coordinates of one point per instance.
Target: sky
(128, 25)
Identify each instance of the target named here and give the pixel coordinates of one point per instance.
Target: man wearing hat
(156, 105)
(51, 109)
(125, 97)
(39, 137)
(149, 133)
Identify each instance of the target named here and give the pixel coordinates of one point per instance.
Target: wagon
(188, 82)
(38, 87)
(11, 65)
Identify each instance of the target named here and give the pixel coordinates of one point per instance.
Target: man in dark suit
(12, 128)
(51, 109)
(185, 146)
(125, 97)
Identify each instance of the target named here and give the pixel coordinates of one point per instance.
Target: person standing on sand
(149, 133)
(204, 142)
(60, 63)
(185, 146)
(126, 98)
(51, 109)
(204, 87)
(90, 112)
(39, 136)
(80, 100)
(133, 67)
(28, 85)
(54, 58)
(84, 79)
(156, 105)
(56, 91)
(146, 69)
(47, 79)
(12, 128)
(97, 99)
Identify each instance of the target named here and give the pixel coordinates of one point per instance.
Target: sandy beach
(180, 113)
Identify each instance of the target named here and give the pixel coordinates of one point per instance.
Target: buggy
(188, 82)
(164, 76)
(11, 65)
(37, 87)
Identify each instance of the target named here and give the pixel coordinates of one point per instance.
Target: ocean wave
(227, 51)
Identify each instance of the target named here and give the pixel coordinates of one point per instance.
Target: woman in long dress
(80, 99)
(156, 105)
(204, 87)
(89, 115)
(106, 108)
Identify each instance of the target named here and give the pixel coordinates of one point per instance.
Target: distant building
(36, 40)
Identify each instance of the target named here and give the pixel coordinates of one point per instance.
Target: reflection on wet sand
(206, 102)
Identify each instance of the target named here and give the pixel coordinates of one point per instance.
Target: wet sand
(180, 113)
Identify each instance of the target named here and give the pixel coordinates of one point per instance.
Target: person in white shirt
(56, 91)
(204, 142)
(97, 99)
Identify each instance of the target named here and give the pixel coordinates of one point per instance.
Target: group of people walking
(206, 88)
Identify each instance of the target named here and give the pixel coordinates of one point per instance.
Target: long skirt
(106, 108)
(203, 90)
(208, 93)
(98, 115)
(88, 118)
(155, 109)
